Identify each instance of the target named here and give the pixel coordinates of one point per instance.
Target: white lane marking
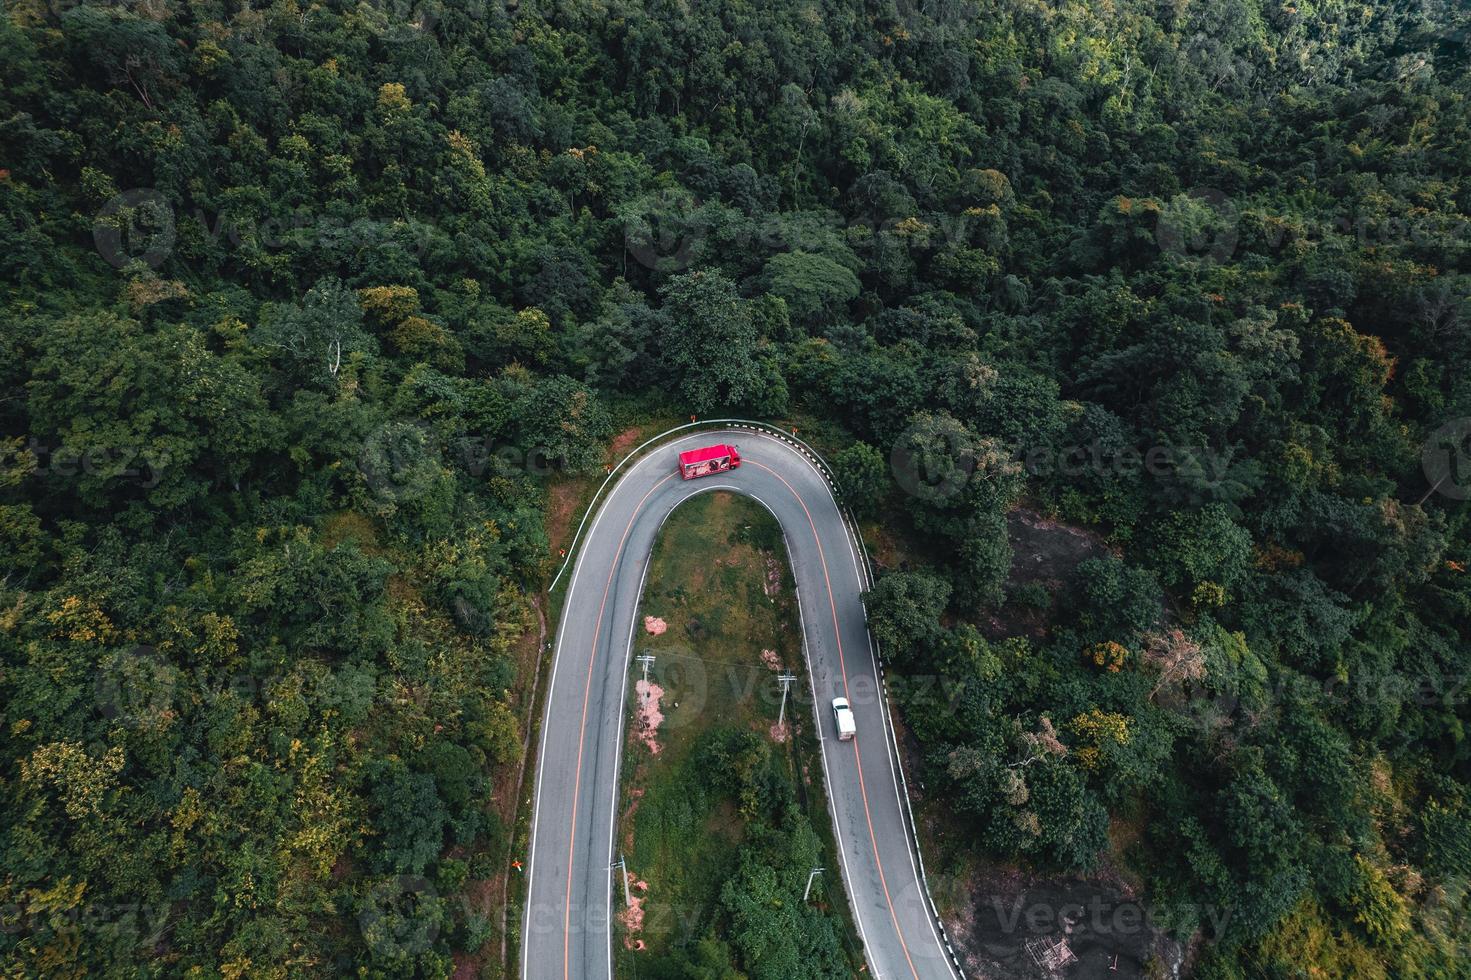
(916, 871)
(803, 456)
(618, 749)
(832, 803)
(623, 690)
(821, 738)
(546, 727)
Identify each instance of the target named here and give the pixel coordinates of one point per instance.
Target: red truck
(711, 459)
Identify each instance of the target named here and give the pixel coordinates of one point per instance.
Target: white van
(843, 715)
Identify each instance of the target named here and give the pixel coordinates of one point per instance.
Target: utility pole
(787, 680)
(814, 874)
(647, 660)
(623, 864)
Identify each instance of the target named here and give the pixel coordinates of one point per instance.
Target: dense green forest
(304, 302)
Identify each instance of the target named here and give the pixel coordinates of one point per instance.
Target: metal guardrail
(852, 527)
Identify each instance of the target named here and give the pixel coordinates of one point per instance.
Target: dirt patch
(992, 912)
(654, 625)
(1103, 924)
(780, 732)
(649, 715)
(1048, 551)
(632, 917)
(772, 585)
(771, 660)
(1045, 555)
(480, 894)
(624, 442)
(635, 794)
(564, 504)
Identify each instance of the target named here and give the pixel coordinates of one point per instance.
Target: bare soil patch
(623, 442)
(1101, 920)
(649, 715)
(564, 507)
(1044, 563)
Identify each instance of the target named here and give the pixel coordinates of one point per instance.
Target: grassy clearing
(719, 818)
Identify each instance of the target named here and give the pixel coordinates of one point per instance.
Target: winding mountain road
(566, 932)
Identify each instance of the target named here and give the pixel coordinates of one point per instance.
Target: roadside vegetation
(722, 813)
(318, 321)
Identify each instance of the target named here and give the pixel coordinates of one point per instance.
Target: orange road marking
(582, 731)
(843, 669)
(587, 694)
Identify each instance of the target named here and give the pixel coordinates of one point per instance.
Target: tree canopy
(313, 314)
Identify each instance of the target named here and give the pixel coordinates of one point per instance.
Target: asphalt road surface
(566, 933)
